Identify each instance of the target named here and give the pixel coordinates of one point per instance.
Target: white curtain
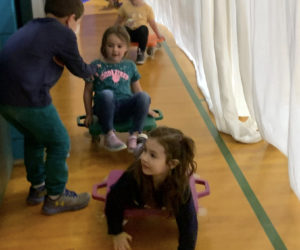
(276, 77)
(246, 56)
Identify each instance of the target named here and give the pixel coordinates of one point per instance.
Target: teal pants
(43, 133)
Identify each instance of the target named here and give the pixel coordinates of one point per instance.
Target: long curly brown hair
(175, 188)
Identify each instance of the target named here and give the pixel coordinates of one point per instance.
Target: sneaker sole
(115, 149)
(53, 211)
(35, 202)
(142, 137)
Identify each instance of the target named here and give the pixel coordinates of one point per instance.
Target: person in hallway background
(31, 62)
(135, 15)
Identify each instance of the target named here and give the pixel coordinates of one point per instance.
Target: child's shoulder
(128, 61)
(147, 6)
(51, 25)
(129, 64)
(98, 62)
(126, 181)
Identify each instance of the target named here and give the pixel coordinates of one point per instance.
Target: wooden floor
(236, 218)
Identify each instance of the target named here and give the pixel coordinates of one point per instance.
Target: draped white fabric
(276, 77)
(246, 56)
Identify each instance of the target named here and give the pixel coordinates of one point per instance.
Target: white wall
(38, 8)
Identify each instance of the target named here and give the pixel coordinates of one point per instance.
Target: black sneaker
(67, 201)
(150, 51)
(140, 59)
(117, 4)
(141, 140)
(36, 195)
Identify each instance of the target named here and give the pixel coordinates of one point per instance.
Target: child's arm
(121, 16)
(187, 225)
(120, 197)
(121, 241)
(120, 20)
(154, 27)
(68, 54)
(88, 102)
(136, 87)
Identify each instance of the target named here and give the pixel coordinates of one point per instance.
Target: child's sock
(131, 143)
(53, 197)
(39, 185)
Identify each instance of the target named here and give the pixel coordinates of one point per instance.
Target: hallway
(251, 205)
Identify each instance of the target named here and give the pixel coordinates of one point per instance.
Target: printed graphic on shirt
(115, 75)
(133, 18)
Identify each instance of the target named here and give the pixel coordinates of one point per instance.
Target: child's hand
(121, 241)
(92, 77)
(161, 37)
(98, 66)
(129, 22)
(88, 120)
(153, 113)
(58, 61)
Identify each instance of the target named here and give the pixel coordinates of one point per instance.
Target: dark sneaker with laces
(117, 4)
(67, 201)
(140, 59)
(150, 51)
(36, 195)
(141, 140)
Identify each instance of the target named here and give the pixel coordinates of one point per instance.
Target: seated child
(118, 93)
(136, 14)
(158, 179)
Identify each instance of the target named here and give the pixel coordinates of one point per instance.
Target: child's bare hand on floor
(121, 241)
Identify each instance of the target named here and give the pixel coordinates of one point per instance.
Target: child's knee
(65, 145)
(106, 95)
(143, 97)
(59, 148)
(144, 29)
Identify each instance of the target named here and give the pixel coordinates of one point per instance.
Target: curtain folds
(246, 56)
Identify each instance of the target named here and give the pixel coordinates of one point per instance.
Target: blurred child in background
(135, 15)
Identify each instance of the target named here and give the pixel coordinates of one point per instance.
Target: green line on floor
(263, 218)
